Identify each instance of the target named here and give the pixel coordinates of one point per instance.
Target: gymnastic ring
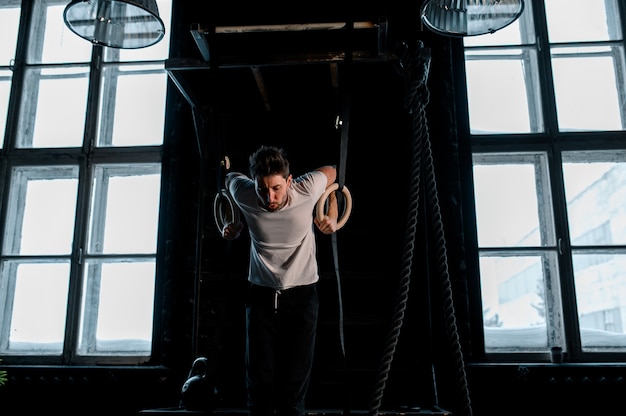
(322, 202)
(222, 215)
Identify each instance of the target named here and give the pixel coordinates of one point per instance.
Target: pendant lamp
(469, 17)
(124, 24)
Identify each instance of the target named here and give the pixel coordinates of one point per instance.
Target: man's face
(272, 191)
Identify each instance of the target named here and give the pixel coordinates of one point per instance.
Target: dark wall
(393, 339)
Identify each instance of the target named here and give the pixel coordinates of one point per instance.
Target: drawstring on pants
(276, 295)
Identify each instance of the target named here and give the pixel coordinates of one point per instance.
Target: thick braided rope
(409, 244)
(414, 68)
(444, 275)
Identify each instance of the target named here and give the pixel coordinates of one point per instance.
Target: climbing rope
(446, 286)
(414, 66)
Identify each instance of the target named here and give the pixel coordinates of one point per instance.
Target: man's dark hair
(267, 161)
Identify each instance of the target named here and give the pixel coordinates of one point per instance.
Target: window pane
(125, 208)
(596, 207)
(596, 199)
(582, 20)
(601, 300)
(519, 32)
(514, 301)
(133, 106)
(9, 22)
(54, 106)
(42, 206)
(51, 40)
(117, 311)
(503, 91)
(35, 321)
(588, 94)
(512, 202)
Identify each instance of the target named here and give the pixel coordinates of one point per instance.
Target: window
(83, 130)
(547, 115)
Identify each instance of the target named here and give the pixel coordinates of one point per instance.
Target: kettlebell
(198, 393)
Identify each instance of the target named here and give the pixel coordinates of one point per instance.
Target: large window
(80, 187)
(547, 116)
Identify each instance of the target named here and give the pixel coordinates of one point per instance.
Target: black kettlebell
(198, 392)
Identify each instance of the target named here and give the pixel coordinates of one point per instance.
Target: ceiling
(246, 56)
(284, 77)
(275, 67)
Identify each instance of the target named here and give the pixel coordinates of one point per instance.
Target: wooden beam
(298, 27)
(258, 77)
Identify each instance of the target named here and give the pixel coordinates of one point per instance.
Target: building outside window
(547, 114)
(80, 185)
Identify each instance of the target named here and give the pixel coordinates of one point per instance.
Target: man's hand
(327, 225)
(232, 231)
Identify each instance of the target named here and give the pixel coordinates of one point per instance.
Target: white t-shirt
(282, 249)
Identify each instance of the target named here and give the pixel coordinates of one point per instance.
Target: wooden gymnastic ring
(224, 215)
(321, 203)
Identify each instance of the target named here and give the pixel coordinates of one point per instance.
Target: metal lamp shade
(125, 24)
(470, 17)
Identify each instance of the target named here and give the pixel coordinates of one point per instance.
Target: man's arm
(330, 172)
(231, 230)
(229, 177)
(328, 224)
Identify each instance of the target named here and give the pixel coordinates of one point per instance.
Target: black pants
(281, 328)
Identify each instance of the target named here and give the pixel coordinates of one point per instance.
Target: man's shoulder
(311, 176)
(231, 176)
(312, 183)
(235, 175)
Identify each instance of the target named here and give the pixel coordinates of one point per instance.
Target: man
(282, 303)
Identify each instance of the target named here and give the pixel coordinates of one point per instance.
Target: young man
(282, 303)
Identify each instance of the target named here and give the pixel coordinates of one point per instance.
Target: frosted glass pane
(596, 202)
(582, 20)
(586, 91)
(506, 205)
(39, 307)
